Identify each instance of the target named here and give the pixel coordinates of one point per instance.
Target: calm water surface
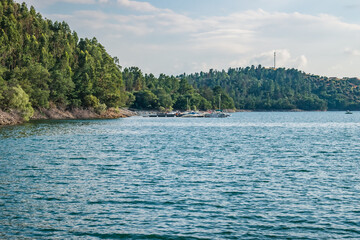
(250, 176)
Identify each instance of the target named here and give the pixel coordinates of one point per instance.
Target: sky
(320, 37)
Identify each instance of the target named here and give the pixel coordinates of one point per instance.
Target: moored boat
(217, 114)
(192, 114)
(170, 114)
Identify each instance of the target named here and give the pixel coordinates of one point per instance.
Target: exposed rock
(78, 113)
(10, 118)
(120, 113)
(13, 117)
(52, 113)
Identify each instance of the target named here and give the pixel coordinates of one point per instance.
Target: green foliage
(61, 87)
(51, 64)
(220, 99)
(19, 100)
(182, 103)
(164, 93)
(3, 89)
(100, 108)
(35, 81)
(185, 87)
(130, 98)
(164, 99)
(145, 99)
(192, 102)
(91, 101)
(276, 89)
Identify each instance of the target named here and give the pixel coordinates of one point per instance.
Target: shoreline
(13, 117)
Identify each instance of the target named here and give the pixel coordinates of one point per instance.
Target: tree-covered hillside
(44, 64)
(259, 88)
(169, 92)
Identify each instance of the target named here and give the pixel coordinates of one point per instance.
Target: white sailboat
(218, 113)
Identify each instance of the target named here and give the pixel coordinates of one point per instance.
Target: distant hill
(259, 88)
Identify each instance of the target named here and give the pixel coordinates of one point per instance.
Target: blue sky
(176, 36)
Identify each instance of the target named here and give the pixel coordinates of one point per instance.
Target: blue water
(250, 176)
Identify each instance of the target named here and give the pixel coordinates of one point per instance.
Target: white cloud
(44, 3)
(166, 41)
(301, 62)
(138, 6)
(352, 52)
(283, 59)
(80, 1)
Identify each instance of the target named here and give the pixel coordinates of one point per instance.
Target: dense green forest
(259, 88)
(45, 64)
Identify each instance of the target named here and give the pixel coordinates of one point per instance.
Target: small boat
(348, 112)
(192, 114)
(171, 114)
(217, 114)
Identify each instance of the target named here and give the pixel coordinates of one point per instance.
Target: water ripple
(251, 176)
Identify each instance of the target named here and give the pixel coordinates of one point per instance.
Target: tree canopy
(51, 64)
(259, 88)
(44, 63)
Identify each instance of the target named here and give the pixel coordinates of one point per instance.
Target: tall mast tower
(274, 59)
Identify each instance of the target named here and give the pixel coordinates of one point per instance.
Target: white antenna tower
(274, 59)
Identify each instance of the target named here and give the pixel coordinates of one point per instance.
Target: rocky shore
(13, 117)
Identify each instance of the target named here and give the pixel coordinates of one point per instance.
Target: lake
(255, 175)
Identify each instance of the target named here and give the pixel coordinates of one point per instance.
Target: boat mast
(220, 101)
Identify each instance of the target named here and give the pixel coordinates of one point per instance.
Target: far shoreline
(13, 117)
